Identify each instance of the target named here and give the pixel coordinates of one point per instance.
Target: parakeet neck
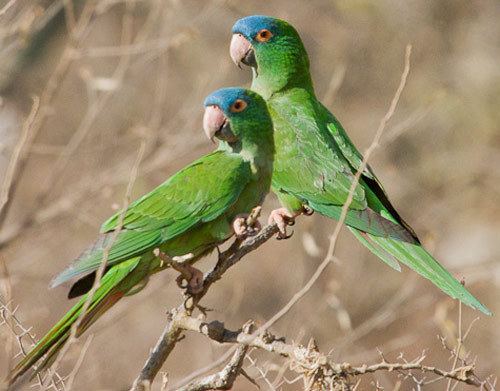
(259, 151)
(280, 74)
(257, 147)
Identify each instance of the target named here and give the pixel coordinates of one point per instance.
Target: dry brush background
(138, 71)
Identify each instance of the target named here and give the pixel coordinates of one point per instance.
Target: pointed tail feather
(366, 220)
(364, 238)
(114, 285)
(417, 258)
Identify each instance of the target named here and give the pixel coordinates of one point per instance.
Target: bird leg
(246, 224)
(190, 278)
(283, 218)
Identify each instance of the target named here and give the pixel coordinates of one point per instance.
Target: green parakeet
(187, 216)
(315, 160)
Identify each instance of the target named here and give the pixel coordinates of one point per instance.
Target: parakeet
(315, 161)
(186, 217)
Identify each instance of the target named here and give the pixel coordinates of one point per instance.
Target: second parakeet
(315, 161)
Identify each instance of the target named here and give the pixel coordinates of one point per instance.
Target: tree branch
(222, 380)
(309, 361)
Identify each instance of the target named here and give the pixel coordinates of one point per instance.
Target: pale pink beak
(239, 48)
(213, 121)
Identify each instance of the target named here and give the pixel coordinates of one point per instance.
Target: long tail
(115, 284)
(417, 258)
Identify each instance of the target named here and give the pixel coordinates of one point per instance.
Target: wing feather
(199, 193)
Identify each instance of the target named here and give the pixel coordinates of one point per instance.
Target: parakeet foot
(283, 218)
(241, 227)
(190, 278)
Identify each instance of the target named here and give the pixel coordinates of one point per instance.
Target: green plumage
(191, 213)
(315, 160)
(171, 210)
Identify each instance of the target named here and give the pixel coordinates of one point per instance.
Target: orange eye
(264, 35)
(238, 106)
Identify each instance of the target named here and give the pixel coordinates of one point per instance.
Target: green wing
(354, 157)
(388, 249)
(324, 174)
(199, 193)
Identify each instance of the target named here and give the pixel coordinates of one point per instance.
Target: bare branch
(217, 363)
(222, 380)
(309, 360)
(159, 354)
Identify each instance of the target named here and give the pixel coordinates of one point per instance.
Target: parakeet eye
(264, 35)
(238, 106)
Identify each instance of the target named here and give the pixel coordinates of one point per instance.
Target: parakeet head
(237, 116)
(273, 48)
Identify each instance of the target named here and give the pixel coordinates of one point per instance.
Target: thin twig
(69, 13)
(78, 364)
(44, 111)
(458, 348)
(6, 7)
(94, 109)
(6, 292)
(20, 332)
(17, 154)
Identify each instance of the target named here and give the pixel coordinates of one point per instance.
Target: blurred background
(112, 74)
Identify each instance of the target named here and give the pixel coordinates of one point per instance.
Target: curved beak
(215, 124)
(241, 51)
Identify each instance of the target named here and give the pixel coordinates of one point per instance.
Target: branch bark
(222, 380)
(309, 361)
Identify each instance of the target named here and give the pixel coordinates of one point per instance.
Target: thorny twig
(21, 334)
